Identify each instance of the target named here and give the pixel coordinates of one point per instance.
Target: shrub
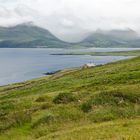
(102, 115)
(46, 106)
(69, 113)
(15, 119)
(5, 124)
(7, 105)
(64, 98)
(131, 97)
(87, 106)
(42, 99)
(49, 117)
(114, 98)
(21, 117)
(124, 112)
(105, 98)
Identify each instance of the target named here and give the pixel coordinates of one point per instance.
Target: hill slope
(113, 38)
(28, 35)
(102, 102)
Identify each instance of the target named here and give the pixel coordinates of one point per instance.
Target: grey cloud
(24, 11)
(71, 18)
(4, 12)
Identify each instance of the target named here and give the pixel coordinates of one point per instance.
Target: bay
(17, 65)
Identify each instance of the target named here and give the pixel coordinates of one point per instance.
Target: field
(98, 103)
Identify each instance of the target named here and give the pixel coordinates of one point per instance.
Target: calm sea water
(18, 65)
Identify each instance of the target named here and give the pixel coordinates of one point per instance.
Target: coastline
(112, 53)
(55, 73)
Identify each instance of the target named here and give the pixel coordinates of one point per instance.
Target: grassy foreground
(114, 53)
(96, 103)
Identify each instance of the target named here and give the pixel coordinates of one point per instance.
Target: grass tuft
(64, 98)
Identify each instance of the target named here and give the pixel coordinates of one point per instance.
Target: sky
(71, 20)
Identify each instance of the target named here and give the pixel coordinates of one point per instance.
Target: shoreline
(51, 73)
(112, 53)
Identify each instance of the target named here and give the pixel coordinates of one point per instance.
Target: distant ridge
(113, 38)
(28, 35)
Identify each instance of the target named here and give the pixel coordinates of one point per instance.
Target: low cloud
(72, 19)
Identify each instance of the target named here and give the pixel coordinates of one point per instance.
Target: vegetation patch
(101, 115)
(42, 99)
(86, 106)
(69, 113)
(114, 98)
(64, 98)
(46, 119)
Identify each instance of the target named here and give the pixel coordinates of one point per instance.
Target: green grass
(102, 102)
(114, 130)
(115, 53)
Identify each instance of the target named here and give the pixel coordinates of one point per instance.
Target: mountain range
(113, 38)
(28, 36)
(31, 36)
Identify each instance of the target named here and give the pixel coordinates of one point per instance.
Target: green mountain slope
(114, 38)
(102, 102)
(28, 35)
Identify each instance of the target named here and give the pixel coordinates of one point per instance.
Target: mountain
(127, 34)
(113, 38)
(28, 35)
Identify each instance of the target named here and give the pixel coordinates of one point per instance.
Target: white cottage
(88, 65)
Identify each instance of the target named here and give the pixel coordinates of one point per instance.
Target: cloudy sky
(69, 19)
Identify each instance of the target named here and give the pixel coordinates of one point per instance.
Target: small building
(88, 65)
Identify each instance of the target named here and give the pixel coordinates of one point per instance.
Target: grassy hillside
(96, 103)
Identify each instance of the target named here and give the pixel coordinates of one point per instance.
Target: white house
(88, 65)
